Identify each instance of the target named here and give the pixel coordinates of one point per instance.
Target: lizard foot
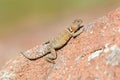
(49, 60)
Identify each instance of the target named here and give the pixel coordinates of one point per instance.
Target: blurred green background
(25, 23)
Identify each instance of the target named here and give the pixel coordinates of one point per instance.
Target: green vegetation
(15, 9)
(12, 11)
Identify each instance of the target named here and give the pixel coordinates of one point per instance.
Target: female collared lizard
(48, 49)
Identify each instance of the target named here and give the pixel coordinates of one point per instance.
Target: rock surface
(93, 55)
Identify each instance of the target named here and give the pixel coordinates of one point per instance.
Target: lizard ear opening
(70, 29)
(46, 42)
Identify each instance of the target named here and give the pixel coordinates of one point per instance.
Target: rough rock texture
(93, 55)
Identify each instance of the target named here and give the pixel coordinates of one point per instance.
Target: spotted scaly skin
(48, 49)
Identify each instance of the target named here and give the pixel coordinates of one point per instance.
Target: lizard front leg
(51, 56)
(75, 34)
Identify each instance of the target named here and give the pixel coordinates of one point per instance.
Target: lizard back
(61, 39)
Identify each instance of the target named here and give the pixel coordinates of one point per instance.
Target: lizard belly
(61, 40)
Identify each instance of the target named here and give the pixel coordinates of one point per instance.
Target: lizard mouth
(75, 30)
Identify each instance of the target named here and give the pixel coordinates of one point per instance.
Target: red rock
(100, 45)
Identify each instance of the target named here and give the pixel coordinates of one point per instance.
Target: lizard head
(76, 25)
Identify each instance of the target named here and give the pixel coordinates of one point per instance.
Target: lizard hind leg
(51, 56)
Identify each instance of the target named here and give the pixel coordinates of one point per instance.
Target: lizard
(48, 49)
